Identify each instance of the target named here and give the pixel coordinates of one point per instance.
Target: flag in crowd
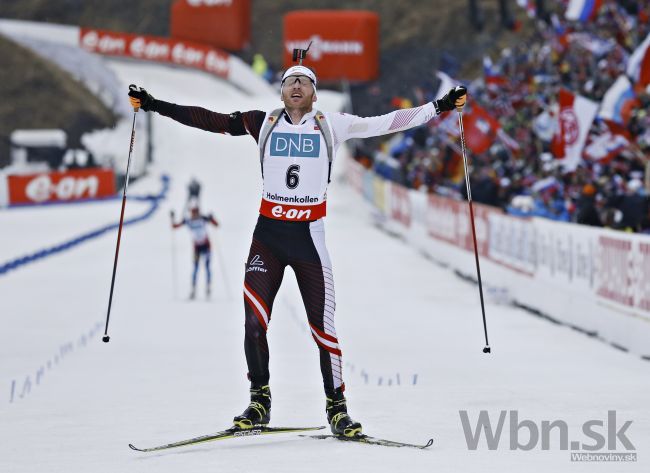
(561, 34)
(508, 141)
(446, 83)
(575, 117)
(582, 10)
(606, 146)
(638, 66)
(494, 78)
(545, 184)
(480, 129)
(619, 101)
(597, 46)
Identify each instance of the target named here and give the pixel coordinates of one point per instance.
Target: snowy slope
(175, 369)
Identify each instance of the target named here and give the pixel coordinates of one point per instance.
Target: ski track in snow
(176, 369)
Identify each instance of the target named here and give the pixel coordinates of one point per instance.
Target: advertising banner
(345, 43)
(220, 23)
(66, 186)
(152, 48)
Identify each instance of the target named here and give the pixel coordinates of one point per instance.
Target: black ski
(371, 441)
(231, 433)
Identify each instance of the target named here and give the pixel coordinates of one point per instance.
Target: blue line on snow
(69, 244)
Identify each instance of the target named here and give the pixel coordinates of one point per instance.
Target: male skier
(197, 225)
(297, 145)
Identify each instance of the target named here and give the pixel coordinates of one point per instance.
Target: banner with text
(345, 43)
(66, 186)
(152, 48)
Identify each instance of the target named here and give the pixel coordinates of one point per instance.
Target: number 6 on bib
(292, 176)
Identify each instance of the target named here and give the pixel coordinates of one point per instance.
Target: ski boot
(258, 412)
(337, 416)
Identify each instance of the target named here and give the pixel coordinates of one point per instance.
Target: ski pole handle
(135, 88)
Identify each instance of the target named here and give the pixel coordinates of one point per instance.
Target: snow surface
(176, 369)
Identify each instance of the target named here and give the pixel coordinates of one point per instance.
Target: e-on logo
(291, 214)
(295, 145)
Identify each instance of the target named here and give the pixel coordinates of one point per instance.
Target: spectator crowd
(512, 125)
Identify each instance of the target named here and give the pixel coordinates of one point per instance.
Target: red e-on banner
(153, 48)
(61, 186)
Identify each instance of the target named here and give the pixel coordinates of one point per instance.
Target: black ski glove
(140, 98)
(455, 98)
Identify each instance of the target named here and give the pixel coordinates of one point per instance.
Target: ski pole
(106, 338)
(486, 349)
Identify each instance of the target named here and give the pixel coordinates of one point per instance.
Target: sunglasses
(302, 80)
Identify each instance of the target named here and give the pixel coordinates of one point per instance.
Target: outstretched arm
(347, 126)
(174, 224)
(235, 124)
(210, 218)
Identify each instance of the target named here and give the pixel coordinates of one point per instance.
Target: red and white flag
(606, 147)
(575, 118)
(638, 66)
(480, 129)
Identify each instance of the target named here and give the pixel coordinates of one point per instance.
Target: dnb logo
(294, 145)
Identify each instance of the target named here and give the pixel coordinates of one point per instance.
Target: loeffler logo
(209, 3)
(322, 46)
(257, 261)
(105, 44)
(256, 264)
(42, 188)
